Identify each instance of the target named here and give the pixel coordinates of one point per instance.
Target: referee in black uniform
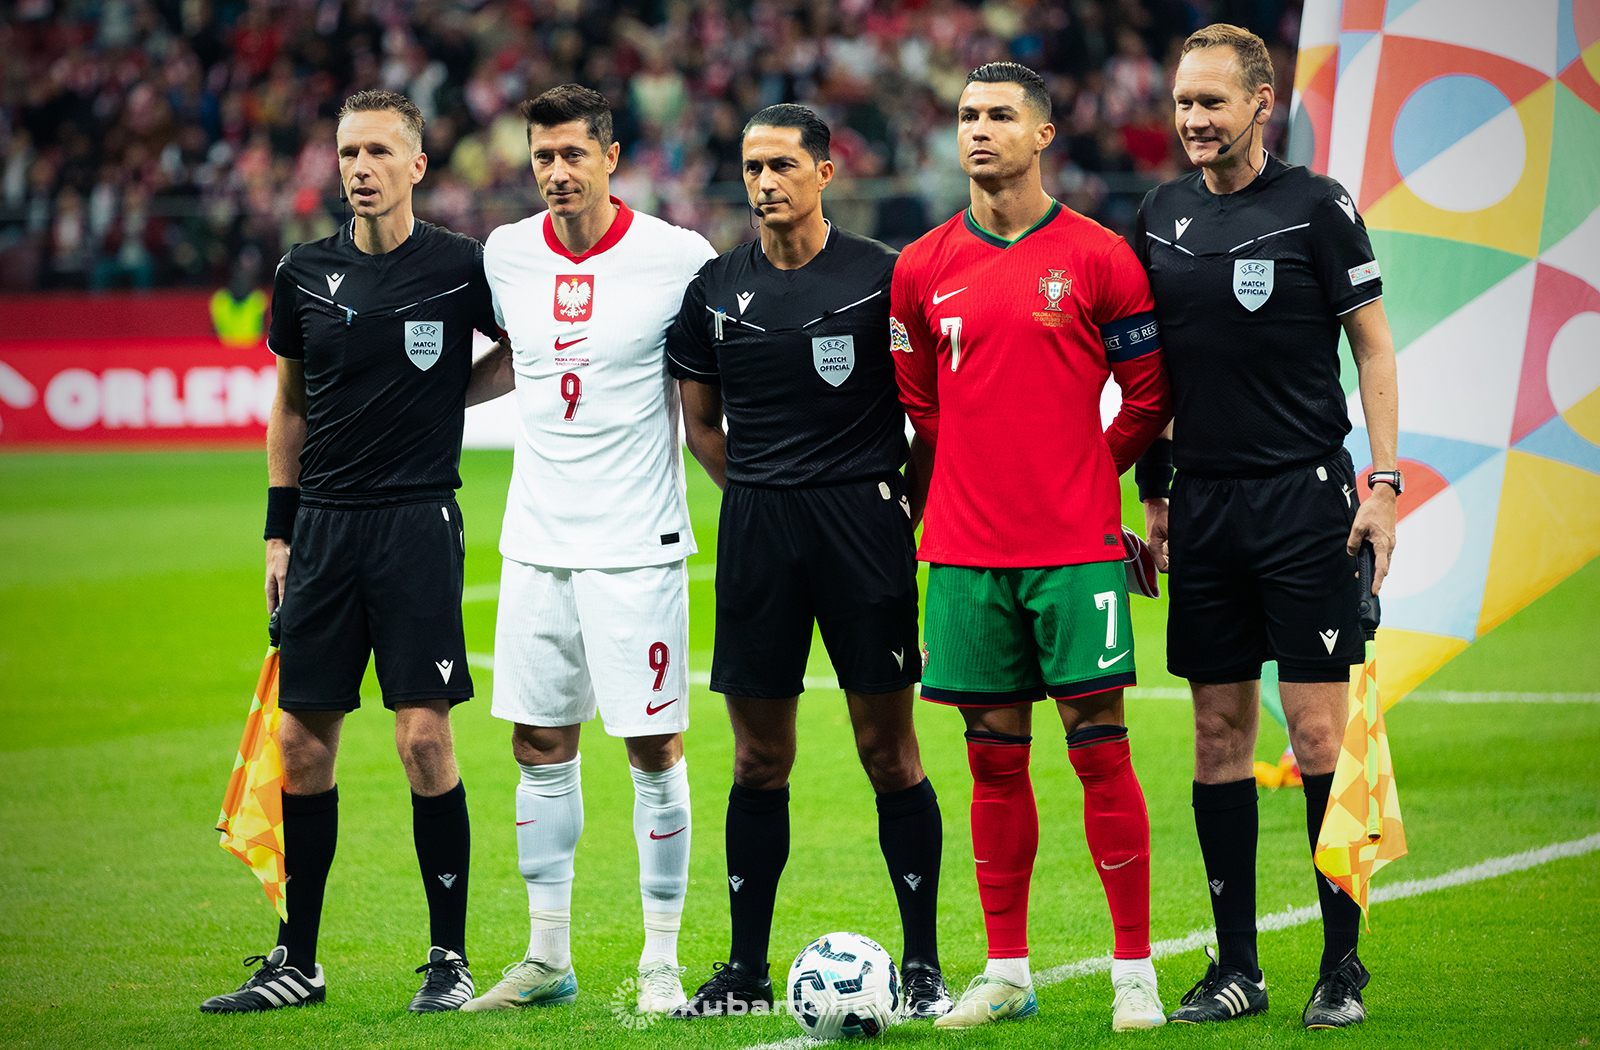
(1255, 267)
(372, 328)
(789, 335)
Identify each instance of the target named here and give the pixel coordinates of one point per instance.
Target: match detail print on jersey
(834, 357)
(574, 297)
(1252, 282)
(424, 341)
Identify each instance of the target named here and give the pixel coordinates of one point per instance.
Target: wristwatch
(1393, 478)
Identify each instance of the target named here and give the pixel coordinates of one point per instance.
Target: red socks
(1005, 836)
(1117, 826)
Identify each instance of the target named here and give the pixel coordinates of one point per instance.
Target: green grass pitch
(131, 631)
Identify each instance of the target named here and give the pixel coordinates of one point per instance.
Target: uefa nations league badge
(834, 357)
(1252, 282)
(424, 342)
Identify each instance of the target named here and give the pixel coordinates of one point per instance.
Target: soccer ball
(843, 986)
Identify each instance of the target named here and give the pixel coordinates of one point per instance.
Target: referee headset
(1254, 118)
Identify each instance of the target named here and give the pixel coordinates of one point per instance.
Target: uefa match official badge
(574, 297)
(1252, 282)
(424, 342)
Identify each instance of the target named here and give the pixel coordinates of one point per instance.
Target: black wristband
(283, 503)
(1153, 472)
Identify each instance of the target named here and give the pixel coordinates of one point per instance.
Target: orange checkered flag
(1362, 830)
(252, 808)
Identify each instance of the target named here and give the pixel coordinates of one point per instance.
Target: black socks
(911, 835)
(443, 835)
(757, 841)
(310, 832)
(1227, 821)
(1341, 916)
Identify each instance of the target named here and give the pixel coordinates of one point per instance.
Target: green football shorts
(997, 637)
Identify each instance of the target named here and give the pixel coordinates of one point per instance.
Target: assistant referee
(1256, 266)
(789, 335)
(372, 328)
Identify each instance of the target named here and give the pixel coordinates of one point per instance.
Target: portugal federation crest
(1054, 289)
(1252, 282)
(574, 297)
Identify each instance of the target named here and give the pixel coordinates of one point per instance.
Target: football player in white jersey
(594, 607)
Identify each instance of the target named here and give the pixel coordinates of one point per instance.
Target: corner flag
(252, 808)
(1361, 830)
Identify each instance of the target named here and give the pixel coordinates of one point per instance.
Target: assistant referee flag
(252, 808)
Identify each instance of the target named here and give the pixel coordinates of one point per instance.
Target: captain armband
(1130, 337)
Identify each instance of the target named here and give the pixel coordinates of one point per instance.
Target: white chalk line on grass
(1291, 917)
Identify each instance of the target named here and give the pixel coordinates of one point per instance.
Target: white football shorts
(568, 642)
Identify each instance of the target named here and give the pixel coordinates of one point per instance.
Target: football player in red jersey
(1008, 320)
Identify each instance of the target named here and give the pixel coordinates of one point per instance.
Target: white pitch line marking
(1290, 917)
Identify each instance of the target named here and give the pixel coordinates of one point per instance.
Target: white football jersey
(597, 480)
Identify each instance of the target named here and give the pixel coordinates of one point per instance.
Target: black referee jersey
(1249, 288)
(803, 360)
(387, 345)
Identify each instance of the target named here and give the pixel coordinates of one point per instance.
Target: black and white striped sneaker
(447, 986)
(274, 985)
(1221, 995)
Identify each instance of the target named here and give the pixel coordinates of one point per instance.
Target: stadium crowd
(188, 142)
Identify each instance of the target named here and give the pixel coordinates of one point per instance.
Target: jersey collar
(619, 226)
(1000, 242)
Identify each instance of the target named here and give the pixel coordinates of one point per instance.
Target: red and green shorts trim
(1000, 637)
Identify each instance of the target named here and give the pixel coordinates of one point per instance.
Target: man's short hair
(814, 134)
(1031, 83)
(569, 102)
(1255, 64)
(374, 101)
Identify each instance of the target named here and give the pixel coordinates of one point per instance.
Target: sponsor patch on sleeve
(1129, 337)
(1360, 275)
(898, 340)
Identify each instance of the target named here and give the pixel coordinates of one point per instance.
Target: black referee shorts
(1259, 572)
(382, 581)
(842, 555)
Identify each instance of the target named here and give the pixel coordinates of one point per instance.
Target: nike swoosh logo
(937, 298)
(560, 346)
(1114, 867)
(651, 709)
(669, 834)
(1104, 663)
(522, 822)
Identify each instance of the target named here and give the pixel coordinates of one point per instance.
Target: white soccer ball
(843, 986)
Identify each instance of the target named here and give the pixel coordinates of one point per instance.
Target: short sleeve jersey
(1003, 348)
(802, 357)
(387, 346)
(1249, 289)
(597, 480)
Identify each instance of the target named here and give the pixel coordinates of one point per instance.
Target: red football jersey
(1003, 350)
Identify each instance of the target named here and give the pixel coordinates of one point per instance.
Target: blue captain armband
(1129, 337)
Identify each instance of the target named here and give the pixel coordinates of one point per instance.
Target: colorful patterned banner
(1469, 133)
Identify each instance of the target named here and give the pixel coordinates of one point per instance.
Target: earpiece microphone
(1243, 133)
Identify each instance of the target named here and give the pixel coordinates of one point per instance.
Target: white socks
(1012, 971)
(1121, 968)
(549, 821)
(662, 828)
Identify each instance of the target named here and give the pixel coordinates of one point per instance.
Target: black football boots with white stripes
(1221, 995)
(274, 985)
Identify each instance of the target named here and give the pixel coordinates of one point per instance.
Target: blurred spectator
(239, 310)
(150, 142)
